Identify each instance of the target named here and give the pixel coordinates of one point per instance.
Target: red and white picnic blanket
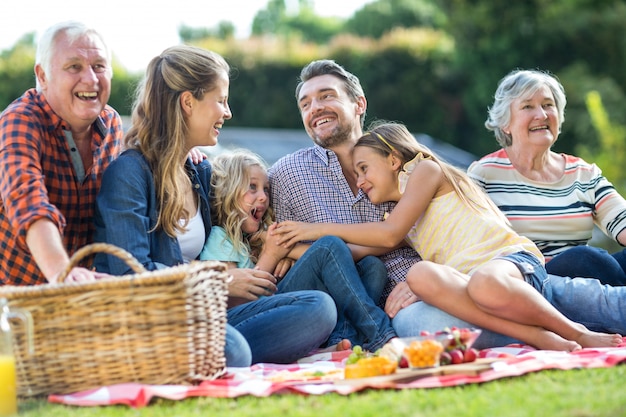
(262, 380)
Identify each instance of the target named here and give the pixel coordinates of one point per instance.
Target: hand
(250, 284)
(400, 297)
(291, 232)
(79, 274)
(283, 266)
(197, 155)
(272, 246)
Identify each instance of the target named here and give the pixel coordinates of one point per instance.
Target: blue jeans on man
(598, 306)
(328, 266)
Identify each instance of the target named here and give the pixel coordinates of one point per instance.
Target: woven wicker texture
(158, 327)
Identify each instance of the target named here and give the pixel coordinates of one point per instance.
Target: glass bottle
(8, 379)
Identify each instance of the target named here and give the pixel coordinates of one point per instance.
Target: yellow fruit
(372, 366)
(423, 353)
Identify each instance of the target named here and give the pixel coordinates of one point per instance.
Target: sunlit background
(138, 30)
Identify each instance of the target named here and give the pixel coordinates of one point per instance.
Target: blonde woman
(154, 202)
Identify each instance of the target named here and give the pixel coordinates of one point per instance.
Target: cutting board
(408, 375)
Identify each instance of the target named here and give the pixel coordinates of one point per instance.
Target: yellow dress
(451, 233)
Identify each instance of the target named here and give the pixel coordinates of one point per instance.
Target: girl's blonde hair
(230, 180)
(387, 138)
(159, 128)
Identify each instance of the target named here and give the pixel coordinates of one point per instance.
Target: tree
(610, 156)
(377, 18)
(224, 30)
(17, 69)
(269, 19)
(494, 37)
(305, 24)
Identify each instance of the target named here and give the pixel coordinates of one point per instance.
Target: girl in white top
(460, 234)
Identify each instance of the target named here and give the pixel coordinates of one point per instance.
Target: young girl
(475, 266)
(243, 217)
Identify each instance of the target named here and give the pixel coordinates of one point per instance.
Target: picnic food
(459, 349)
(370, 366)
(308, 375)
(358, 353)
(423, 353)
(445, 347)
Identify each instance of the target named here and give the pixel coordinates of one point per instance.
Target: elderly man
(55, 142)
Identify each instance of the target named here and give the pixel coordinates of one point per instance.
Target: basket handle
(107, 248)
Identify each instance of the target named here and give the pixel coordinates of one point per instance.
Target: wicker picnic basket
(158, 327)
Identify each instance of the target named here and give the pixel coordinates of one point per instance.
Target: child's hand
(289, 232)
(197, 155)
(272, 247)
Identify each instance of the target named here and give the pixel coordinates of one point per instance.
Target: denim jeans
(419, 316)
(600, 307)
(283, 328)
(590, 262)
(328, 266)
(237, 350)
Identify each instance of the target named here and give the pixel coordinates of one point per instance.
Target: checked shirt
(38, 180)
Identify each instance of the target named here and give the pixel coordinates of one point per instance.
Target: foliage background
(431, 64)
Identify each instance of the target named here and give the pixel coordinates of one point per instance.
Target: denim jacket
(126, 212)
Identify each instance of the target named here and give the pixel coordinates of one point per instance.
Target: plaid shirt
(309, 186)
(38, 180)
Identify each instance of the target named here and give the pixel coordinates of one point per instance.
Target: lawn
(576, 393)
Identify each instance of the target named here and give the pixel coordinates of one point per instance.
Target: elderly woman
(554, 199)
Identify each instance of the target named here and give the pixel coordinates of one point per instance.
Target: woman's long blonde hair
(388, 138)
(159, 128)
(229, 181)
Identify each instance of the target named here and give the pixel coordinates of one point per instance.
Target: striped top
(452, 234)
(556, 216)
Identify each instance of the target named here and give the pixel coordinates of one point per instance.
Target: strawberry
(445, 358)
(404, 363)
(456, 356)
(470, 355)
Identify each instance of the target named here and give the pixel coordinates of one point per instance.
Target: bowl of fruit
(422, 351)
(362, 364)
(449, 346)
(459, 348)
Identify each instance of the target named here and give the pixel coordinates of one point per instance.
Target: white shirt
(192, 241)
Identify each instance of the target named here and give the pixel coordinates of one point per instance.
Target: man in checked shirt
(318, 184)
(55, 142)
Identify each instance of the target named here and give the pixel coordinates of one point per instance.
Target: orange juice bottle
(8, 380)
(8, 389)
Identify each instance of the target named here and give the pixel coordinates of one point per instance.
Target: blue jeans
(328, 266)
(283, 328)
(237, 350)
(418, 317)
(597, 306)
(590, 262)
(600, 307)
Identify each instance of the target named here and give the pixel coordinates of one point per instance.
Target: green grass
(575, 393)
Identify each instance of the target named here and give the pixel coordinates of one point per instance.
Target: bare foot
(345, 344)
(547, 340)
(595, 339)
